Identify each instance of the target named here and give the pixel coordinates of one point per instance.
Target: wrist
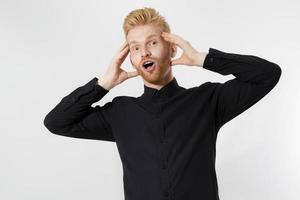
(200, 57)
(104, 83)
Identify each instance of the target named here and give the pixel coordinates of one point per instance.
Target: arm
(254, 78)
(74, 116)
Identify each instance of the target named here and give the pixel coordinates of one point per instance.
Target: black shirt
(167, 138)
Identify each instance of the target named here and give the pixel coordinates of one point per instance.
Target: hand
(190, 56)
(115, 74)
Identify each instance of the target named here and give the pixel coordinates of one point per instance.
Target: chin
(154, 78)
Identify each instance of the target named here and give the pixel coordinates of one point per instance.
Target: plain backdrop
(49, 48)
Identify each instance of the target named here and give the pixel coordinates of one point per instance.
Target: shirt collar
(166, 91)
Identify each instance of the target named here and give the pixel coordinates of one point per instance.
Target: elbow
(278, 69)
(55, 127)
(271, 76)
(48, 123)
(276, 73)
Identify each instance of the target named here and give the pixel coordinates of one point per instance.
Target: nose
(145, 52)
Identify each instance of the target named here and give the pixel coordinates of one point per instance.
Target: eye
(153, 42)
(134, 48)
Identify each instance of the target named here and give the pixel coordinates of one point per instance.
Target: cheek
(165, 54)
(133, 60)
(164, 49)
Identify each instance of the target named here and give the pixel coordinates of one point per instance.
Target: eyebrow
(150, 36)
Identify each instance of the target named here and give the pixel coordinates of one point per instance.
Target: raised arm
(254, 78)
(74, 116)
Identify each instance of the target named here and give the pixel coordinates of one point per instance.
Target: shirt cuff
(98, 87)
(211, 61)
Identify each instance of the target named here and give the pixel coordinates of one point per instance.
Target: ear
(173, 50)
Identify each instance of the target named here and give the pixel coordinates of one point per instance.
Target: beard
(158, 75)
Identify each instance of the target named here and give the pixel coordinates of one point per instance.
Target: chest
(183, 119)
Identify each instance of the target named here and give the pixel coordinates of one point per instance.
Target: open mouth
(149, 65)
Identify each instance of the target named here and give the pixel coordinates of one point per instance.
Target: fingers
(120, 55)
(176, 62)
(123, 46)
(123, 54)
(171, 37)
(176, 39)
(124, 51)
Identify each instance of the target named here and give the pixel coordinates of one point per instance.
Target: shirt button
(166, 193)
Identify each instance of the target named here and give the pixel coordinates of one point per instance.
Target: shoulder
(204, 90)
(206, 86)
(209, 84)
(122, 100)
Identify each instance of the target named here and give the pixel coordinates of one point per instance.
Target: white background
(49, 48)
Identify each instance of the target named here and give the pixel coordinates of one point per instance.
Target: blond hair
(144, 16)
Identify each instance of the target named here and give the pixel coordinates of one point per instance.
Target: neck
(161, 83)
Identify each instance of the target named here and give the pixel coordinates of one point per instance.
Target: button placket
(166, 193)
(162, 149)
(163, 160)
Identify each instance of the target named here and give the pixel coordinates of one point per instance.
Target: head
(143, 28)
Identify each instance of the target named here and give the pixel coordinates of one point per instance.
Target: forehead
(140, 33)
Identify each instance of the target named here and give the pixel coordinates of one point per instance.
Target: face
(145, 42)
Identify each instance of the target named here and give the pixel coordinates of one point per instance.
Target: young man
(166, 137)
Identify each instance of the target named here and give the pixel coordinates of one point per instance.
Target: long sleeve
(254, 78)
(74, 116)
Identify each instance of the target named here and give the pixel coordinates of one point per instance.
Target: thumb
(176, 61)
(132, 74)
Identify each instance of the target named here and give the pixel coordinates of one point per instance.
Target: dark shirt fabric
(166, 138)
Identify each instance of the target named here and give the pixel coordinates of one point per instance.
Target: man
(166, 137)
